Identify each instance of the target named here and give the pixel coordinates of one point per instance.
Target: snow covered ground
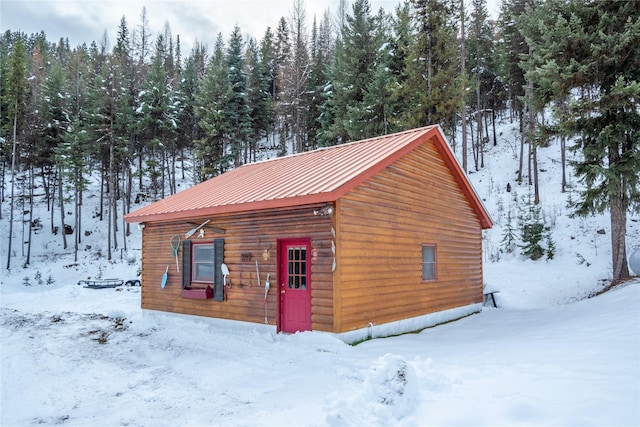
(83, 357)
(548, 356)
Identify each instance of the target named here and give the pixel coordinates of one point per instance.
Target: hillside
(547, 356)
(581, 265)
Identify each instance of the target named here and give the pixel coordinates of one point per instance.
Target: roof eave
(467, 188)
(289, 202)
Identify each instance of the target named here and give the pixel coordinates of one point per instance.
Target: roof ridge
(332, 147)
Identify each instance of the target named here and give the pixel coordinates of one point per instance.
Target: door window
(297, 264)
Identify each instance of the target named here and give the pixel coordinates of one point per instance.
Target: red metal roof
(318, 176)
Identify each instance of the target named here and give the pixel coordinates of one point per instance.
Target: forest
(142, 115)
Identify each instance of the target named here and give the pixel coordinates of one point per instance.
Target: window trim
(217, 285)
(194, 263)
(434, 262)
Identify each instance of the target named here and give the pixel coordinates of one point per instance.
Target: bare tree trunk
(478, 121)
(521, 155)
(164, 165)
(78, 211)
(102, 184)
(61, 197)
(618, 237)
(493, 125)
(53, 200)
(124, 212)
(31, 185)
(563, 158)
(13, 180)
(463, 72)
(563, 154)
(140, 171)
(128, 198)
(536, 187)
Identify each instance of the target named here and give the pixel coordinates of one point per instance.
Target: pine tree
(282, 55)
(354, 70)
(259, 98)
(400, 44)
(509, 235)
(588, 46)
(432, 89)
(268, 64)
(237, 110)
(15, 97)
(317, 81)
(186, 96)
(70, 157)
(510, 52)
(211, 98)
(532, 229)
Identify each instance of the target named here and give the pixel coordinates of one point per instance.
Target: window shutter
(218, 259)
(186, 263)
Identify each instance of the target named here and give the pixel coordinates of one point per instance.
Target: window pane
(428, 254)
(204, 272)
(202, 265)
(428, 262)
(203, 253)
(428, 271)
(297, 266)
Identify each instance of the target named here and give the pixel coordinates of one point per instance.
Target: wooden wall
(381, 227)
(247, 236)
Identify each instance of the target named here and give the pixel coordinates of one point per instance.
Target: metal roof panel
(321, 175)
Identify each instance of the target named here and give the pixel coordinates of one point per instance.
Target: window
(297, 262)
(202, 263)
(429, 262)
(201, 269)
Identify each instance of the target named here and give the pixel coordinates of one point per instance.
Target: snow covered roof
(318, 176)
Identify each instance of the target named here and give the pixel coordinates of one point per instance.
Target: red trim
(461, 178)
(277, 287)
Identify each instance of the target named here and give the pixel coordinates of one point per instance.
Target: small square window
(429, 262)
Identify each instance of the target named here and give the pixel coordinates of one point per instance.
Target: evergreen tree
(355, 66)
(400, 42)
(512, 48)
(15, 97)
(186, 96)
(432, 89)
(532, 229)
(259, 97)
(295, 81)
(211, 99)
(157, 123)
(509, 235)
(70, 156)
(321, 58)
(237, 110)
(589, 62)
(268, 64)
(282, 55)
(483, 73)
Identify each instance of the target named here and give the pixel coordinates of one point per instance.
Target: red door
(295, 285)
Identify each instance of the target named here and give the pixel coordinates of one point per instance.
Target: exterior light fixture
(325, 210)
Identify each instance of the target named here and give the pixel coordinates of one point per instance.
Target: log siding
(248, 237)
(383, 224)
(380, 222)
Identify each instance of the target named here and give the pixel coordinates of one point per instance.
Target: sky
(87, 20)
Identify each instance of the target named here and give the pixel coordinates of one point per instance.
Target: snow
(551, 354)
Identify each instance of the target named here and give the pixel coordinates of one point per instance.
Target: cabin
(369, 238)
